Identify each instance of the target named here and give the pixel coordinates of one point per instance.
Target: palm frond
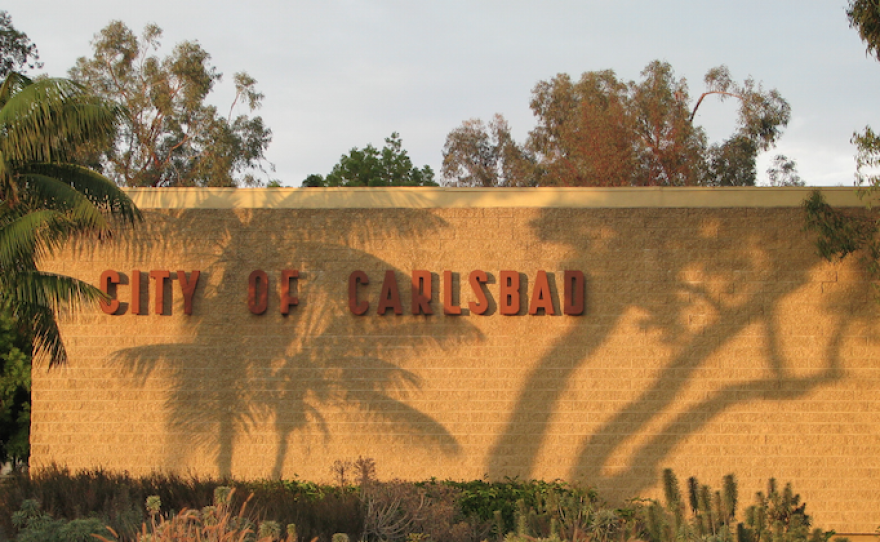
(101, 192)
(8, 186)
(45, 119)
(36, 297)
(39, 288)
(44, 192)
(12, 84)
(26, 237)
(47, 336)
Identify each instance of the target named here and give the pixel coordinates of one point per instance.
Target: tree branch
(703, 95)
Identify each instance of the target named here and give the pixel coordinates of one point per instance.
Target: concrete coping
(448, 197)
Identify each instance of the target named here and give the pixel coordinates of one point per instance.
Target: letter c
(109, 277)
(357, 308)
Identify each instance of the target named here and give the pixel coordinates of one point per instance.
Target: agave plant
(45, 199)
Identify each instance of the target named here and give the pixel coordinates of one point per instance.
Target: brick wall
(713, 341)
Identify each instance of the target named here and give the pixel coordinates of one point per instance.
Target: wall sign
(511, 292)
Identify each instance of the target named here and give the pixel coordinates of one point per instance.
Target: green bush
(507, 504)
(15, 391)
(34, 525)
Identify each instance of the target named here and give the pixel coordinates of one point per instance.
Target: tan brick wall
(713, 341)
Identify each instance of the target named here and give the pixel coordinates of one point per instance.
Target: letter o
(258, 292)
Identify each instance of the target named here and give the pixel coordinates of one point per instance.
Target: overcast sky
(342, 74)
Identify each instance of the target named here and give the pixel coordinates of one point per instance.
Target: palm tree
(45, 200)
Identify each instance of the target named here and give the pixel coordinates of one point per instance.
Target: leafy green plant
(45, 199)
(839, 234)
(843, 233)
(37, 526)
(506, 505)
(15, 391)
(390, 166)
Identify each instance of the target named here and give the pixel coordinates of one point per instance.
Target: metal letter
(188, 287)
(389, 298)
(109, 277)
(477, 279)
(541, 298)
(508, 301)
(286, 300)
(258, 291)
(160, 276)
(421, 292)
(574, 293)
(448, 306)
(357, 277)
(136, 292)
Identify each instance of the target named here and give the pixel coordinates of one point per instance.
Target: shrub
(399, 511)
(526, 506)
(37, 526)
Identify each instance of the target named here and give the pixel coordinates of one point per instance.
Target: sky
(342, 74)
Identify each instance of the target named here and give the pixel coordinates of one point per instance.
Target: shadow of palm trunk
(241, 388)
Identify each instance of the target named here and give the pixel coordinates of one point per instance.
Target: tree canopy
(783, 172)
(602, 131)
(390, 166)
(15, 387)
(839, 233)
(483, 155)
(16, 50)
(170, 135)
(864, 16)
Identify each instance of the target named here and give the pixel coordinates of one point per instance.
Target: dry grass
(217, 523)
(117, 500)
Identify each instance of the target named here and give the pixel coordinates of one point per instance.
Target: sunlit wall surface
(712, 340)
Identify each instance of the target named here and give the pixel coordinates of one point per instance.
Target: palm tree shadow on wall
(231, 378)
(662, 265)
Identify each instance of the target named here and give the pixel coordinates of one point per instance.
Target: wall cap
(448, 197)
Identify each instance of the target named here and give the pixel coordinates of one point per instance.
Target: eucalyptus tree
(864, 16)
(600, 130)
(17, 52)
(484, 155)
(169, 135)
(840, 233)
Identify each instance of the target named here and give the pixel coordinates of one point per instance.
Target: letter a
(390, 296)
(541, 298)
